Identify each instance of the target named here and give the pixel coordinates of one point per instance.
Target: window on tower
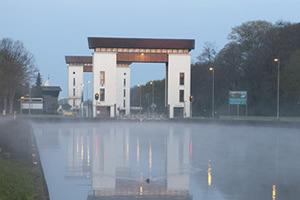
(102, 78)
(181, 95)
(181, 78)
(102, 94)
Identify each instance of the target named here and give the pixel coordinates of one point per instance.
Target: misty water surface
(93, 160)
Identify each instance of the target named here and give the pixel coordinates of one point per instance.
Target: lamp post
(152, 84)
(81, 103)
(87, 89)
(29, 110)
(212, 69)
(139, 86)
(87, 93)
(152, 105)
(277, 60)
(21, 102)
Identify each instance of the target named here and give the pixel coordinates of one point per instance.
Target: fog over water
(176, 160)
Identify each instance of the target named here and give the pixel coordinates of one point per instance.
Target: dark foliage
(246, 63)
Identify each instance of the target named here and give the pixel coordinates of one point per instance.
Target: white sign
(33, 105)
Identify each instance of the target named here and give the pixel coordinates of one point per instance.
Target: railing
(112, 192)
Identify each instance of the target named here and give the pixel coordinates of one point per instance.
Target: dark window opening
(74, 92)
(102, 78)
(102, 94)
(181, 95)
(181, 78)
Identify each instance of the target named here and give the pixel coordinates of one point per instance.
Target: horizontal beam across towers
(142, 43)
(127, 50)
(142, 57)
(79, 60)
(88, 68)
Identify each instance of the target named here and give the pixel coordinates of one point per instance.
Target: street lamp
(277, 60)
(29, 110)
(152, 84)
(212, 69)
(87, 94)
(81, 88)
(139, 86)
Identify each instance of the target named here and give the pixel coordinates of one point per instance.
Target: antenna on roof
(47, 82)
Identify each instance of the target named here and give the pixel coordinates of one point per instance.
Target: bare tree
(16, 69)
(208, 54)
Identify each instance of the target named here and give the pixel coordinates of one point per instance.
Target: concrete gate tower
(111, 73)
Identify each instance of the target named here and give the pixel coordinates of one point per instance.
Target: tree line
(246, 63)
(17, 70)
(153, 92)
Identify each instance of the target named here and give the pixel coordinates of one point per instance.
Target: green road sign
(237, 97)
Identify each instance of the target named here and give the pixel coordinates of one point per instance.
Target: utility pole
(277, 60)
(152, 105)
(212, 69)
(139, 86)
(29, 110)
(88, 104)
(152, 83)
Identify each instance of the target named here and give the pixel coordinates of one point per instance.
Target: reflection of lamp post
(213, 92)
(209, 174)
(277, 60)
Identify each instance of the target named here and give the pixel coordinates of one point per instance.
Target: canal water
(110, 160)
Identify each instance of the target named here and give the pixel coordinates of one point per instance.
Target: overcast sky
(51, 29)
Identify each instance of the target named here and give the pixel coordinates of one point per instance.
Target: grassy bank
(21, 176)
(19, 180)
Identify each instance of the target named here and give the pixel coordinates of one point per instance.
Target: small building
(40, 100)
(31, 105)
(50, 99)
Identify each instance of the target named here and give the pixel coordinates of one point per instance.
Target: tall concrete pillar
(123, 89)
(179, 84)
(75, 85)
(104, 65)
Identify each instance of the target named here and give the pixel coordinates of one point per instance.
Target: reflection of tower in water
(140, 164)
(79, 154)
